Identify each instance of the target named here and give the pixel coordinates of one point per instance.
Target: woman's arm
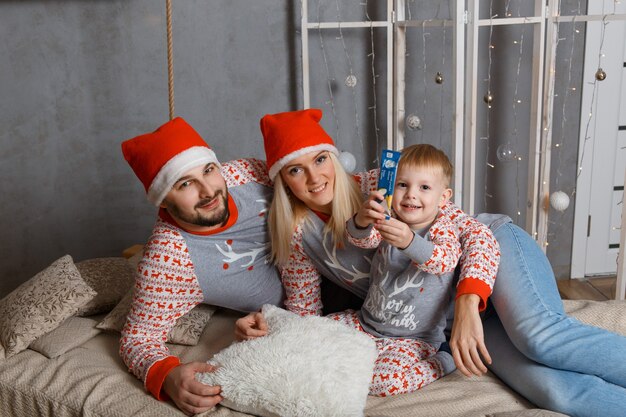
(467, 341)
(301, 280)
(480, 255)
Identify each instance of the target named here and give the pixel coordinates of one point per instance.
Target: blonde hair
(424, 155)
(287, 212)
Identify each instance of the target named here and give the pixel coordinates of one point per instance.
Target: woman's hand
(190, 395)
(467, 341)
(250, 327)
(370, 211)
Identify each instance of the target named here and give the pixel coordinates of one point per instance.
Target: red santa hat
(162, 157)
(289, 135)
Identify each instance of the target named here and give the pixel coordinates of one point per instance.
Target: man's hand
(190, 395)
(467, 341)
(250, 327)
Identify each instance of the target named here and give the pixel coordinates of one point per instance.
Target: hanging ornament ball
(350, 80)
(505, 153)
(488, 97)
(559, 201)
(348, 162)
(600, 74)
(439, 78)
(413, 122)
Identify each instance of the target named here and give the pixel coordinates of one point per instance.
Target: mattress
(91, 380)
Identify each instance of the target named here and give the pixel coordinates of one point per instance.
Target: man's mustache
(206, 201)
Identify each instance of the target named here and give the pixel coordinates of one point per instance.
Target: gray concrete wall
(77, 77)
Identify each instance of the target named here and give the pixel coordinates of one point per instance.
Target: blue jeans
(553, 360)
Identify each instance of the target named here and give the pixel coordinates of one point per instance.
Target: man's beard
(217, 218)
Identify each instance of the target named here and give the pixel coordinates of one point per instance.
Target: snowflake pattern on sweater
(169, 284)
(480, 256)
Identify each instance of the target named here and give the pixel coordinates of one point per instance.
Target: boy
(412, 273)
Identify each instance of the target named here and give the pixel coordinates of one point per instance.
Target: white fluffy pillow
(305, 366)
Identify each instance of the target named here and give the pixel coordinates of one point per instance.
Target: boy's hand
(397, 233)
(250, 327)
(371, 210)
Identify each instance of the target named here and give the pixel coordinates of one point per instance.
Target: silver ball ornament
(600, 74)
(439, 78)
(348, 161)
(350, 80)
(413, 122)
(559, 201)
(488, 98)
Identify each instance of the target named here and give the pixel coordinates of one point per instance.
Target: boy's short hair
(425, 155)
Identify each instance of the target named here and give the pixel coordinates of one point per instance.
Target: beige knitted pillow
(41, 304)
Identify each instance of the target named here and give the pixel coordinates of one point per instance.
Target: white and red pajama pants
(402, 366)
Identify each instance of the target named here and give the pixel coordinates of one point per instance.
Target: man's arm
(245, 170)
(165, 289)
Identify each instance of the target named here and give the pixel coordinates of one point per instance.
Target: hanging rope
(170, 58)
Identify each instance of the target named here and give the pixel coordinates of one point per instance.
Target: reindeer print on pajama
(228, 267)
(405, 307)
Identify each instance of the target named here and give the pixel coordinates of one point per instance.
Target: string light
(329, 79)
(594, 102)
(443, 66)
(424, 89)
(374, 106)
(517, 101)
(488, 96)
(351, 77)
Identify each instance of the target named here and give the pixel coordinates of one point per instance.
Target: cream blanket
(91, 380)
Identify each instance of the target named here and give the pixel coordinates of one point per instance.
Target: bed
(91, 380)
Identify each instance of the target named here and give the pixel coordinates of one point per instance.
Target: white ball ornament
(559, 201)
(348, 161)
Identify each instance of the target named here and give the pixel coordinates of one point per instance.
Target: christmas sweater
(226, 267)
(411, 288)
(314, 254)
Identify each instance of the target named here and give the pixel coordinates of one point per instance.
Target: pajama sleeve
(166, 288)
(439, 255)
(480, 254)
(301, 280)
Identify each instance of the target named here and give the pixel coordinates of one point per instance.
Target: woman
(555, 361)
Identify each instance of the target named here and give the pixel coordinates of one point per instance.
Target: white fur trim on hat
(278, 165)
(175, 168)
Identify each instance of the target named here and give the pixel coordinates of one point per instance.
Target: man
(209, 245)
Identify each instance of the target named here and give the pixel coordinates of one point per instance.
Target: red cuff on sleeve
(474, 286)
(156, 376)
